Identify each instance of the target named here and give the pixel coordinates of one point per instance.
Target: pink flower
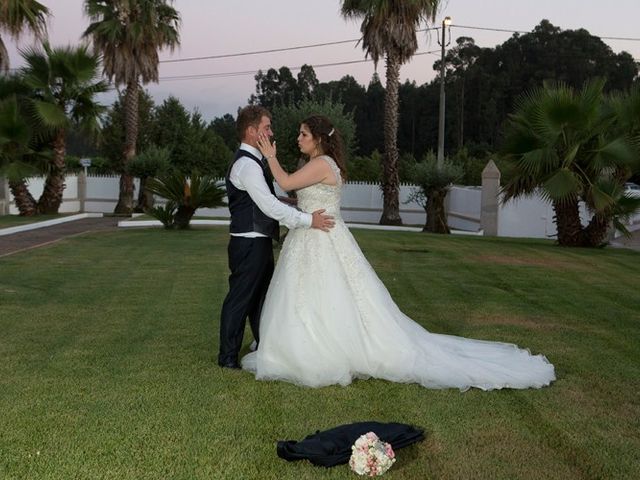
(371, 456)
(389, 450)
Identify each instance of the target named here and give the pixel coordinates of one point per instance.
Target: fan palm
(23, 148)
(185, 196)
(626, 108)
(17, 16)
(389, 30)
(565, 144)
(15, 138)
(129, 34)
(64, 82)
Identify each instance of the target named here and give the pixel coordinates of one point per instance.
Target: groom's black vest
(245, 214)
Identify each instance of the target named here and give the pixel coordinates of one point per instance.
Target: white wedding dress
(328, 319)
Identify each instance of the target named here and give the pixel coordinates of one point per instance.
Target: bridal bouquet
(371, 456)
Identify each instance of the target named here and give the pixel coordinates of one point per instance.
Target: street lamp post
(82, 183)
(446, 23)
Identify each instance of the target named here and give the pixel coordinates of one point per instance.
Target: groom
(255, 213)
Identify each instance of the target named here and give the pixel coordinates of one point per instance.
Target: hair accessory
(331, 132)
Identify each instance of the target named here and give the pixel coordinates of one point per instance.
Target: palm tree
(23, 148)
(626, 107)
(16, 137)
(63, 83)
(567, 145)
(389, 30)
(184, 196)
(15, 17)
(129, 34)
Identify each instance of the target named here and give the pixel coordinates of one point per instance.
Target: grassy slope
(108, 345)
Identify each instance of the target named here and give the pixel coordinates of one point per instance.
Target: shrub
(185, 195)
(433, 183)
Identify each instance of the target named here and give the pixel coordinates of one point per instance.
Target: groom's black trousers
(251, 264)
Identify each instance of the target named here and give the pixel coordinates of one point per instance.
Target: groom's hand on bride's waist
(321, 221)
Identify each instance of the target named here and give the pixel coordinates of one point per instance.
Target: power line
(257, 52)
(525, 32)
(253, 72)
(275, 50)
(352, 40)
(338, 42)
(324, 65)
(490, 29)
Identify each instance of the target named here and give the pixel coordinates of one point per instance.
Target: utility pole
(446, 23)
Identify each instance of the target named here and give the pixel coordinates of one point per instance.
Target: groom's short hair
(250, 116)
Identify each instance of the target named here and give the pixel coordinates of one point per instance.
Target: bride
(328, 318)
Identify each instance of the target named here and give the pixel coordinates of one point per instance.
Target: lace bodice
(319, 196)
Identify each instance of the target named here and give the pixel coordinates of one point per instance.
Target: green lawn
(109, 340)
(15, 220)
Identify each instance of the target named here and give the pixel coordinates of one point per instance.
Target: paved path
(633, 242)
(21, 241)
(18, 242)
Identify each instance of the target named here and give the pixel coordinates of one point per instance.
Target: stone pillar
(489, 202)
(82, 189)
(447, 204)
(5, 196)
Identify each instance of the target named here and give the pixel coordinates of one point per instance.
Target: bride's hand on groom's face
(265, 146)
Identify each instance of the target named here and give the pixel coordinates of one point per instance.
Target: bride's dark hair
(330, 140)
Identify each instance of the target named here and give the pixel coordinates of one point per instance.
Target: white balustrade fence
(361, 203)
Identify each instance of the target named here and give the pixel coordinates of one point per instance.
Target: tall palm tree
(389, 30)
(568, 145)
(129, 34)
(63, 83)
(15, 17)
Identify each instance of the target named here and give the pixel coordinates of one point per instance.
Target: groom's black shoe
(231, 364)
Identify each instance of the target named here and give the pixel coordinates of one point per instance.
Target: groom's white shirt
(247, 175)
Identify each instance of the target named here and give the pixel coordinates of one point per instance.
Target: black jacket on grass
(333, 447)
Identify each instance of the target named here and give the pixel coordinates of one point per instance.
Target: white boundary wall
(361, 203)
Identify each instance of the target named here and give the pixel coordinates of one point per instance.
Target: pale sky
(221, 27)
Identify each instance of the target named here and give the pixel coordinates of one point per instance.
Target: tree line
(390, 129)
(481, 84)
